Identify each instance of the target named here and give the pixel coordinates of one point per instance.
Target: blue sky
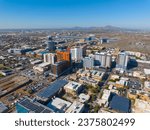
(70, 13)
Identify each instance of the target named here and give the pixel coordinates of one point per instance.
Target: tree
(95, 89)
(96, 108)
(107, 87)
(100, 94)
(30, 91)
(93, 97)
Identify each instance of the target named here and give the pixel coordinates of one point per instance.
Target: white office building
(76, 54)
(50, 58)
(108, 60)
(103, 59)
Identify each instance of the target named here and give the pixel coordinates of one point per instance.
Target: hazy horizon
(74, 27)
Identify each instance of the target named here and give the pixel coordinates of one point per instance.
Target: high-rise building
(103, 59)
(63, 55)
(123, 59)
(50, 58)
(59, 67)
(108, 60)
(88, 62)
(97, 58)
(50, 44)
(76, 54)
(84, 50)
(73, 54)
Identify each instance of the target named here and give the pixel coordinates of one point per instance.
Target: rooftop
(83, 97)
(106, 94)
(72, 85)
(36, 62)
(43, 64)
(142, 106)
(46, 93)
(89, 80)
(119, 103)
(135, 85)
(3, 108)
(59, 105)
(30, 106)
(76, 107)
(147, 84)
(147, 71)
(97, 73)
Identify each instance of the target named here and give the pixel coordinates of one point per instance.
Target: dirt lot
(129, 41)
(11, 83)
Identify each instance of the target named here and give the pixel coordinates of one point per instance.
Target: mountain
(107, 28)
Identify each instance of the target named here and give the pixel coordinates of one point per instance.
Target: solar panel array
(2, 107)
(52, 89)
(46, 111)
(120, 104)
(34, 106)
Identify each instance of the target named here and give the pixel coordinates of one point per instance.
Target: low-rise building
(41, 68)
(35, 62)
(3, 108)
(6, 72)
(85, 73)
(59, 105)
(79, 72)
(119, 104)
(27, 105)
(132, 94)
(114, 77)
(76, 107)
(139, 74)
(134, 84)
(147, 85)
(89, 81)
(137, 54)
(40, 52)
(73, 77)
(122, 82)
(105, 97)
(97, 75)
(144, 96)
(73, 88)
(147, 71)
(47, 93)
(141, 106)
(84, 98)
(19, 51)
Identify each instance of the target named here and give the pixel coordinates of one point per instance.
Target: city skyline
(96, 70)
(71, 13)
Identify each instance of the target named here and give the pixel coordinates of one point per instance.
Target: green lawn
(1, 75)
(2, 67)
